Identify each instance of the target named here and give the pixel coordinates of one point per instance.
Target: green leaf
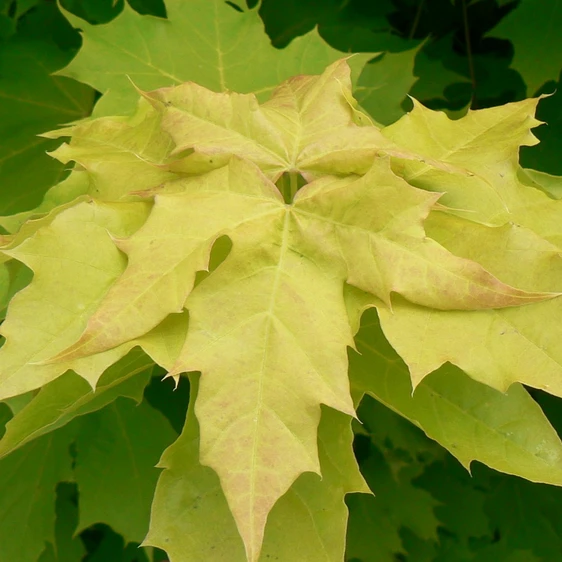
(372, 535)
(24, 224)
(4, 288)
(169, 397)
(384, 83)
(212, 45)
(69, 396)
(67, 547)
(94, 11)
(33, 101)
(507, 432)
(5, 416)
(533, 30)
(452, 82)
(285, 20)
(402, 443)
(375, 521)
(15, 277)
(28, 481)
(526, 516)
(116, 451)
(308, 522)
(552, 185)
(490, 516)
(350, 27)
(23, 6)
(545, 156)
(438, 67)
(461, 497)
(29, 223)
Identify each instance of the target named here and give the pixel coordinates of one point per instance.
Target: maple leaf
(375, 521)
(308, 522)
(498, 347)
(148, 65)
(22, 225)
(385, 82)
(295, 130)
(115, 468)
(66, 286)
(506, 431)
(120, 154)
(66, 546)
(271, 318)
(213, 45)
(69, 396)
(487, 146)
(33, 101)
(532, 31)
(39, 465)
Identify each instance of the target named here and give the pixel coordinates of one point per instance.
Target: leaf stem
(416, 20)
(293, 185)
(469, 52)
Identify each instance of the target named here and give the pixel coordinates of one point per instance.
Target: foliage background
(449, 54)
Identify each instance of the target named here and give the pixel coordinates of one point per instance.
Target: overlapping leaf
(69, 396)
(293, 132)
(34, 101)
(375, 522)
(74, 261)
(507, 432)
(545, 156)
(205, 41)
(497, 347)
(268, 328)
(310, 125)
(533, 30)
(115, 469)
(309, 522)
(39, 466)
(486, 143)
(384, 83)
(66, 547)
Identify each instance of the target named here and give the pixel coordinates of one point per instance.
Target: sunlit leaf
(507, 432)
(308, 522)
(212, 45)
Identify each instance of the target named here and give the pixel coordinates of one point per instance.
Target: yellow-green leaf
(486, 144)
(307, 523)
(508, 432)
(496, 347)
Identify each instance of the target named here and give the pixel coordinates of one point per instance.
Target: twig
(469, 53)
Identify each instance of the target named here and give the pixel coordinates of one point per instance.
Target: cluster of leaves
(448, 54)
(275, 226)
